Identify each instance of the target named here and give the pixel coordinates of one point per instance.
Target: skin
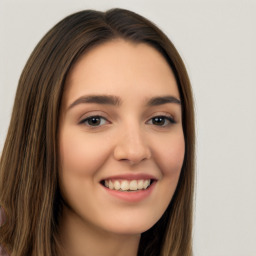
(126, 140)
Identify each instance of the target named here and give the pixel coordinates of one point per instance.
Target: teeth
(127, 185)
(140, 184)
(146, 184)
(117, 185)
(124, 185)
(111, 185)
(133, 185)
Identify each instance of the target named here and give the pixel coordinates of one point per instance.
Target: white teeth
(133, 185)
(140, 184)
(127, 185)
(146, 184)
(124, 185)
(111, 185)
(117, 185)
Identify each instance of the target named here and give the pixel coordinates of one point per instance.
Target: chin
(131, 224)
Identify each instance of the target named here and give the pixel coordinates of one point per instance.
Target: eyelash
(87, 119)
(165, 118)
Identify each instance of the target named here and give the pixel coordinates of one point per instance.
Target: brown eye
(161, 120)
(158, 120)
(94, 121)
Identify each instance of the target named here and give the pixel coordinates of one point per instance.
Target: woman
(99, 156)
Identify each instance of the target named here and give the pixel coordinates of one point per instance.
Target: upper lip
(131, 176)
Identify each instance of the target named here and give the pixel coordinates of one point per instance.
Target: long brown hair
(29, 190)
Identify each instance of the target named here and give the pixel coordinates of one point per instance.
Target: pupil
(158, 121)
(94, 121)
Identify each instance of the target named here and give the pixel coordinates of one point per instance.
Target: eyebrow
(156, 101)
(116, 101)
(98, 99)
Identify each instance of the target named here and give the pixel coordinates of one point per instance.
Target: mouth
(125, 185)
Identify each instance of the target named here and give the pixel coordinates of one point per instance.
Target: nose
(132, 146)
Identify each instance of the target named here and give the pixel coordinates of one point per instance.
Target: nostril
(132, 151)
(132, 158)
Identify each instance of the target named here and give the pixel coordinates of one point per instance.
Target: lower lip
(134, 196)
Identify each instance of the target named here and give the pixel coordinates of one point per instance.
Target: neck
(80, 238)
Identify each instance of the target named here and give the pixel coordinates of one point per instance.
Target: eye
(161, 120)
(94, 121)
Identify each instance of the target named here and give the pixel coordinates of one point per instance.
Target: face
(121, 141)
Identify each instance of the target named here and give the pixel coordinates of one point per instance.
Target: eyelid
(168, 116)
(99, 114)
(91, 114)
(164, 114)
(89, 117)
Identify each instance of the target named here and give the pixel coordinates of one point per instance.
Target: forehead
(121, 67)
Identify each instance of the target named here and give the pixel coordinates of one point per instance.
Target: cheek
(171, 155)
(80, 154)
(81, 157)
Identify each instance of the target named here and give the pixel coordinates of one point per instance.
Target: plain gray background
(217, 41)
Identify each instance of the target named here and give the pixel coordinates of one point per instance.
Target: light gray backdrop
(217, 41)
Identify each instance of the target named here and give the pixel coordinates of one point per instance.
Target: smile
(127, 185)
(131, 188)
